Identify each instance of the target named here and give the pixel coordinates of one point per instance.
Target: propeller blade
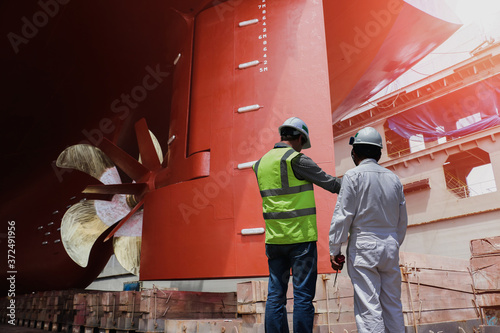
(124, 161)
(80, 228)
(158, 149)
(127, 243)
(111, 176)
(112, 211)
(128, 252)
(133, 227)
(132, 188)
(139, 205)
(85, 158)
(148, 152)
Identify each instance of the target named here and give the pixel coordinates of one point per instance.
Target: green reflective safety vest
(288, 203)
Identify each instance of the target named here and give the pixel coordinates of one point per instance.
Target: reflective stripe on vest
(288, 203)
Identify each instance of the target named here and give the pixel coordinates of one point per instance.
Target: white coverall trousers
(373, 266)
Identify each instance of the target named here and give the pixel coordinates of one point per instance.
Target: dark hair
(288, 134)
(367, 151)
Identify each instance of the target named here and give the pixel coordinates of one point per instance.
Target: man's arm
(305, 168)
(403, 219)
(343, 215)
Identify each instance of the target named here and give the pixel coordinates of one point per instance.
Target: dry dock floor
(6, 328)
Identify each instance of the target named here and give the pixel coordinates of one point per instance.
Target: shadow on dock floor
(6, 328)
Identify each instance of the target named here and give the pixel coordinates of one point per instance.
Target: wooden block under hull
(342, 288)
(437, 316)
(430, 298)
(489, 300)
(151, 325)
(452, 280)
(251, 291)
(335, 327)
(341, 317)
(485, 246)
(179, 304)
(486, 273)
(128, 323)
(256, 291)
(203, 326)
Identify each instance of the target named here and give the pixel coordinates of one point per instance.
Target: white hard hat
(368, 136)
(300, 126)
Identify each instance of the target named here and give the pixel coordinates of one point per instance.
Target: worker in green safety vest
(286, 178)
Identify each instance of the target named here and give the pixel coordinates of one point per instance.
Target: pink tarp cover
(460, 113)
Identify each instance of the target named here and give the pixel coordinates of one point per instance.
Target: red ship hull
(94, 69)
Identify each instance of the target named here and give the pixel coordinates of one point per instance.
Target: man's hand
(337, 261)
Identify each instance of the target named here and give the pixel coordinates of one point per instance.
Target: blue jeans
(302, 258)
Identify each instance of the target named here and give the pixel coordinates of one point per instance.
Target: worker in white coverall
(371, 209)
